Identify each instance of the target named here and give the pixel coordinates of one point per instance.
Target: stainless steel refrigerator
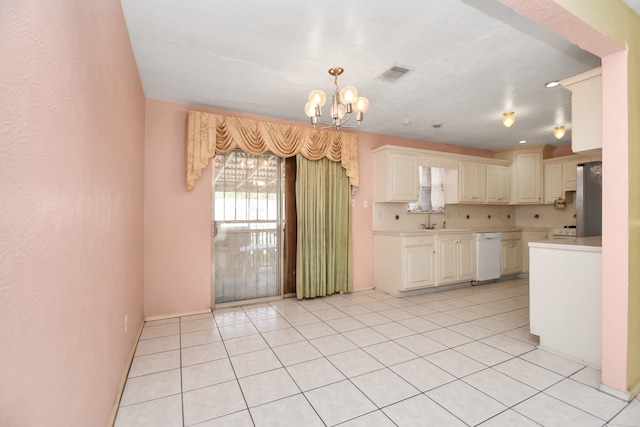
(589, 200)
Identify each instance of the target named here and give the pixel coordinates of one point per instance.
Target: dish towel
(437, 189)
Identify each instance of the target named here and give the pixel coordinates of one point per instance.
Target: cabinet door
(517, 261)
(447, 260)
(586, 115)
(569, 175)
(506, 259)
(511, 259)
(466, 259)
(466, 189)
(553, 182)
(473, 182)
(498, 184)
(420, 267)
(528, 178)
(402, 179)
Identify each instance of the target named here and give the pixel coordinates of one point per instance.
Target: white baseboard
(626, 396)
(172, 315)
(123, 380)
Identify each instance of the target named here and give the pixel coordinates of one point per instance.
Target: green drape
(323, 203)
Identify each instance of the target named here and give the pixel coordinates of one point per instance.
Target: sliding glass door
(247, 215)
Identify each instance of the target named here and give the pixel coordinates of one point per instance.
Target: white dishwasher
(488, 247)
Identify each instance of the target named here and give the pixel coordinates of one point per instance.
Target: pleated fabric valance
(208, 134)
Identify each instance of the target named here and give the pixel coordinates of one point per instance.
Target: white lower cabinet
(511, 254)
(404, 263)
(456, 258)
(420, 266)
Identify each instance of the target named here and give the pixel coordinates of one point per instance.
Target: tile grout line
(342, 305)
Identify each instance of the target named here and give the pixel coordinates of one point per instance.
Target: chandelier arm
(337, 123)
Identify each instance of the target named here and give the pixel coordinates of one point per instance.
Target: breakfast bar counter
(565, 287)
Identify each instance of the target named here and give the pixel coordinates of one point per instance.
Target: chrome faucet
(428, 226)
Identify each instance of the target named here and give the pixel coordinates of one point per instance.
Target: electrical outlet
(126, 321)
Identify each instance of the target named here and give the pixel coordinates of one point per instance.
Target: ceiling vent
(394, 73)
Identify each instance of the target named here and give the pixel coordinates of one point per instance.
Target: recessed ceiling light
(522, 142)
(406, 122)
(552, 84)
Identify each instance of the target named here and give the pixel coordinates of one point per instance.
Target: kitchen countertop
(419, 232)
(589, 244)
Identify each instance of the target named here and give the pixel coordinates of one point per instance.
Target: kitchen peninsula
(565, 291)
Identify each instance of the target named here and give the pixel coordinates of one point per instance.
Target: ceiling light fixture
(508, 118)
(552, 84)
(522, 142)
(558, 132)
(343, 103)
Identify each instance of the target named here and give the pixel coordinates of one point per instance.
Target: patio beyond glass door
(247, 223)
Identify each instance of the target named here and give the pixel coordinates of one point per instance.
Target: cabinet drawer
(512, 235)
(417, 241)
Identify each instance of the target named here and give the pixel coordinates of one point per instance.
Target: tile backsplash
(456, 216)
(473, 216)
(548, 216)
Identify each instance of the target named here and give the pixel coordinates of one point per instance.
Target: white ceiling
(634, 4)
(470, 62)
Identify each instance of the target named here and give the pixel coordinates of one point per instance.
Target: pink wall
(177, 222)
(615, 227)
(71, 212)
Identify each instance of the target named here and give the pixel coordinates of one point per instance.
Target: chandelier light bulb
(558, 132)
(348, 95)
(508, 119)
(318, 98)
(361, 105)
(310, 109)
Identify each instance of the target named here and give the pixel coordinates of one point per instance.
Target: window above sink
(431, 195)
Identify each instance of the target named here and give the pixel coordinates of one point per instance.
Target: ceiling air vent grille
(394, 73)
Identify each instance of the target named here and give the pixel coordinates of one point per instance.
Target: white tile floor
(456, 358)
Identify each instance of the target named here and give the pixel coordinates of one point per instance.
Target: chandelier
(343, 103)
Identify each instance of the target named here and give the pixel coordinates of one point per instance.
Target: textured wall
(71, 210)
(177, 226)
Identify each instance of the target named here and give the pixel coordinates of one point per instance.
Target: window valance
(208, 134)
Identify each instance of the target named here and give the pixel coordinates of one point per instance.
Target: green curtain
(323, 204)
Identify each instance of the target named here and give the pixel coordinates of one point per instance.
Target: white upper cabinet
(485, 181)
(395, 176)
(586, 111)
(498, 184)
(526, 172)
(553, 182)
(560, 176)
(529, 177)
(473, 182)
